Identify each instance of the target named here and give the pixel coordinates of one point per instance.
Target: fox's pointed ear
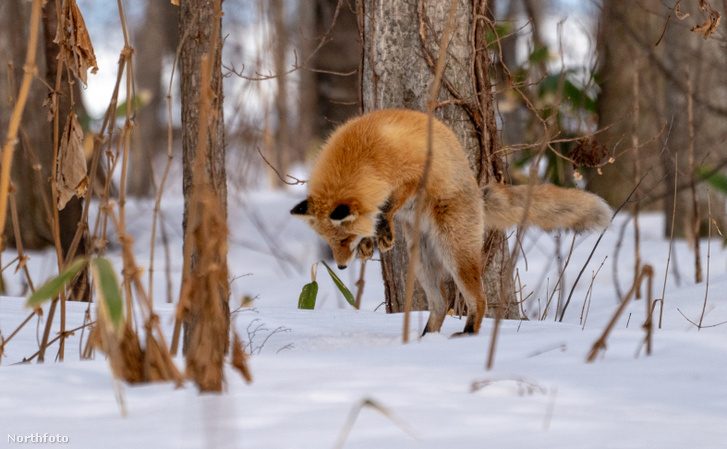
(301, 208)
(341, 214)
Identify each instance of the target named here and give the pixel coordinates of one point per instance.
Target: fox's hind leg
(459, 236)
(467, 275)
(431, 274)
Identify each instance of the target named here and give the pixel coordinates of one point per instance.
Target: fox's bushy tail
(549, 208)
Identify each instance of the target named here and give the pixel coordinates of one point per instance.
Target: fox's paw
(384, 235)
(462, 334)
(365, 248)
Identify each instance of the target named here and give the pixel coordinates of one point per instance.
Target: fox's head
(342, 225)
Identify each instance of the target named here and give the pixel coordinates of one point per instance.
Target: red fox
(369, 169)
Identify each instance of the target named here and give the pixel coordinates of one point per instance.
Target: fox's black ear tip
(301, 208)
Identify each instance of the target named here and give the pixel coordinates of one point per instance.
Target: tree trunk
(155, 38)
(197, 19)
(628, 33)
(69, 218)
(398, 72)
(329, 90)
(35, 150)
(32, 165)
(281, 144)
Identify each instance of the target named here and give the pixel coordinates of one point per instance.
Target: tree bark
(628, 33)
(401, 41)
(34, 156)
(197, 19)
(155, 38)
(32, 165)
(281, 144)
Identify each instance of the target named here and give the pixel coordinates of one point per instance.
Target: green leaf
(716, 180)
(137, 102)
(538, 55)
(341, 286)
(52, 288)
(307, 298)
(107, 288)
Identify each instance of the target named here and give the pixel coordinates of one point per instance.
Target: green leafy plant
(715, 179)
(53, 287)
(718, 181)
(105, 283)
(307, 299)
(109, 294)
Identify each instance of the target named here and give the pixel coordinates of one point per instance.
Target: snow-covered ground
(313, 370)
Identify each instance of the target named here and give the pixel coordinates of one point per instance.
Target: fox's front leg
(385, 223)
(385, 233)
(365, 248)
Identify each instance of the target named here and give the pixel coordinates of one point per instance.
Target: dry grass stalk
(589, 296)
(671, 239)
(600, 344)
(628, 198)
(557, 284)
(694, 237)
(239, 358)
(431, 104)
(156, 360)
(637, 173)
(353, 416)
(360, 284)
(22, 258)
(709, 249)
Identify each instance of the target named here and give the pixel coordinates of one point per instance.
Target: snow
(314, 370)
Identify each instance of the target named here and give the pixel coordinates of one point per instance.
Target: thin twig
(431, 104)
(11, 139)
(570, 295)
(600, 344)
(692, 183)
(637, 172)
(709, 248)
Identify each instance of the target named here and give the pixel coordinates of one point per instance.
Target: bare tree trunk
(401, 40)
(628, 32)
(281, 146)
(32, 162)
(197, 19)
(155, 38)
(330, 92)
(70, 216)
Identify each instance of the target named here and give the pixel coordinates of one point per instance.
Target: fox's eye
(345, 242)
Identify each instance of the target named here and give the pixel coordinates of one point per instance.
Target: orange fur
(369, 169)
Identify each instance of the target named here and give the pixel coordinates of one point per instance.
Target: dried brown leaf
(680, 15)
(710, 25)
(75, 43)
(589, 153)
(159, 365)
(71, 176)
(50, 103)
